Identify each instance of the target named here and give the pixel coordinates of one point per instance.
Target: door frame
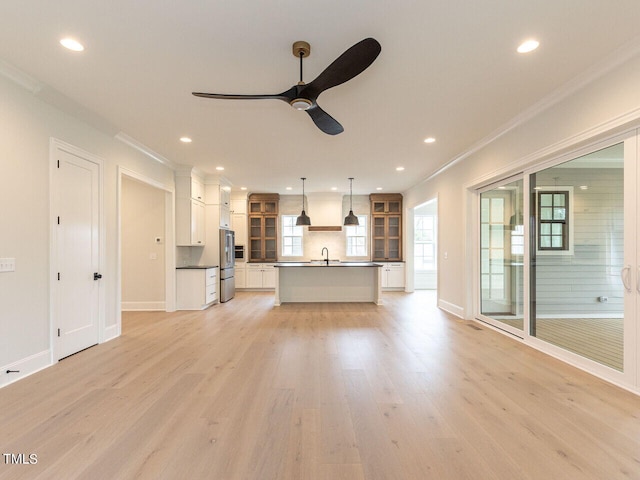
(169, 244)
(56, 145)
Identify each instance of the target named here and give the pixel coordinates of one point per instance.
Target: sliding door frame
(630, 377)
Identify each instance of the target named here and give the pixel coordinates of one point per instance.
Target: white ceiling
(447, 70)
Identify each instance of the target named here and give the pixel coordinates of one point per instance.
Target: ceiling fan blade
(324, 121)
(351, 63)
(285, 96)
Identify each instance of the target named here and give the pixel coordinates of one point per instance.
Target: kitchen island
(333, 282)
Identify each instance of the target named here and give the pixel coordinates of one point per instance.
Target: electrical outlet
(603, 299)
(7, 264)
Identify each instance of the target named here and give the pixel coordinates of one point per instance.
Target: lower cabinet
(261, 275)
(196, 288)
(392, 276)
(241, 275)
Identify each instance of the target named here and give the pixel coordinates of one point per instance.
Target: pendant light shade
(351, 219)
(303, 219)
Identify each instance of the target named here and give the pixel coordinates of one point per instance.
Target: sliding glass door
(502, 255)
(558, 259)
(577, 255)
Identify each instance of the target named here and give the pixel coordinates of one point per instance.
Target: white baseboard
(451, 308)
(111, 332)
(26, 366)
(143, 306)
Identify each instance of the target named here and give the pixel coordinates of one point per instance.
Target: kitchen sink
(322, 262)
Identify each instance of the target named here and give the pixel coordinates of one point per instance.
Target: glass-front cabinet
(263, 227)
(386, 214)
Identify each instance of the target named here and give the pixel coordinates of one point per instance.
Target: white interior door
(76, 187)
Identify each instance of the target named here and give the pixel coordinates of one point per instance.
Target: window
(291, 237)
(357, 238)
(553, 212)
(424, 252)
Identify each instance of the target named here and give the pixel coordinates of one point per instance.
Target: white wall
(28, 123)
(607, 104)
(143, 259)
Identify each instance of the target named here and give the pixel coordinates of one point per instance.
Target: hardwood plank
(245, 390)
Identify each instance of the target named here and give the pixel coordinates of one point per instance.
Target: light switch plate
(7, 264)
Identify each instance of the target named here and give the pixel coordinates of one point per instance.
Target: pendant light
(351, 219)
(303, 219)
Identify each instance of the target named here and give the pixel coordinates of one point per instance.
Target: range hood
(325, 210)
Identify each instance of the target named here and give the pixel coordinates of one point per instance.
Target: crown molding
(133, 143)
(20, 78)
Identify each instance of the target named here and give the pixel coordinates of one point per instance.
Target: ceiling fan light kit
(301, 104)
(304, 96)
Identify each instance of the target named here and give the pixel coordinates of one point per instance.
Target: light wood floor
(598, 339)
(246, 390)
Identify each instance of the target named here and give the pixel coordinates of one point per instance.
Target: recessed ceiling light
(528, 46)
(399, 169)
(378, 188)
(289, 188)
(219, 168)
(243, 188)
(334, 188)
(72, 44)
(185, 140)
(429, 140)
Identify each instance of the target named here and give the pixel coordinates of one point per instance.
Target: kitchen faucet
(322, 253)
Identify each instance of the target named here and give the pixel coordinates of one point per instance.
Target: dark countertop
(339, 264)
(197, 267)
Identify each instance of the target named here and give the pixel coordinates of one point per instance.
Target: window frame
(567, 223)
(365, 235)
(433, 243)
(294, 229)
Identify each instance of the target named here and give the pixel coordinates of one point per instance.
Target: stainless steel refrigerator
(227, 265)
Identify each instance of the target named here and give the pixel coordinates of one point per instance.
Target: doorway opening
(146, 245)
(425, 246)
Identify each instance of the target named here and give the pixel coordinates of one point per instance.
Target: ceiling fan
(303, 96)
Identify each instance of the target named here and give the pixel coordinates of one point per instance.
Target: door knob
(97, 276)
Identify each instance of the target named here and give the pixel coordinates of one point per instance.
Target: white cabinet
(239, 225)
(197, 189)
(225, 217)
(196, 288)
(190, 217)
(218, 195)
(261, 275)
(241, 275)
(239, 205)
(189, 222)
(225, 197)
(392, 276)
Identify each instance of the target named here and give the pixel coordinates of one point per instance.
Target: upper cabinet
(263, 204)
(386, 203)
(386, 225)
(218, 201)
(190, 217)
(197, 189)
(263, 227)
